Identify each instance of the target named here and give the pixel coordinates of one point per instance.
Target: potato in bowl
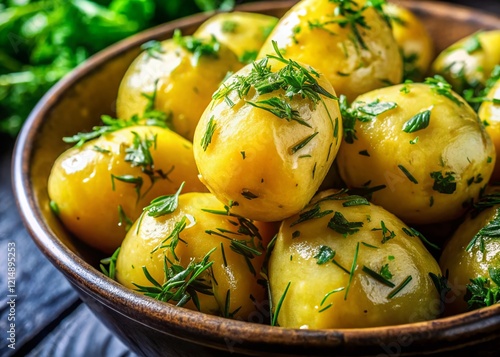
(153, 328)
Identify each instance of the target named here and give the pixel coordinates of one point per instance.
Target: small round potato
(243, 32)
(199, 224)
(355, 58)
(102, 187)
(489, 113)
(268, 139)
(413, 39)
(423, 144)
(468, 63)
(472, 252)
(182, 73)
(345, 263)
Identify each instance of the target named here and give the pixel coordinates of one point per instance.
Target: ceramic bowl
(153, 328)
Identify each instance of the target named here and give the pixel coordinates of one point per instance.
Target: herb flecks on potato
(421, 141)
(163, 251)
(345, 263)
(183, 72)
(269, 137)
(349, 42)
(101, 187)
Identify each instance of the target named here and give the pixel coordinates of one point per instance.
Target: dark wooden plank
(42, 293)
(81, 334)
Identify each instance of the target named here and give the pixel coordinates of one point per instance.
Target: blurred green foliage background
(42, 40)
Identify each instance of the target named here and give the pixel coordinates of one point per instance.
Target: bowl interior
(76, 104)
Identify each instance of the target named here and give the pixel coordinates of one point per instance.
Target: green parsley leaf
(163, 205)
(444, 184)
(417, 122)
(339, 224)
(324, 255)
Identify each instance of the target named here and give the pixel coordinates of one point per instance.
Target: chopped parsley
(341, 225)
(444, 184)
(417, 122)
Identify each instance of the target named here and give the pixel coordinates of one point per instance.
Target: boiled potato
(413, 39)
(243, 32)
(424, 144)
(181, 73)
(345, 263)
(232, 279)
(355, 58)
(489, 112)
(104, 184)
(468, 63)
(267, 140)
(473, 252)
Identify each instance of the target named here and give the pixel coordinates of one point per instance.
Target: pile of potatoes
(288, 162)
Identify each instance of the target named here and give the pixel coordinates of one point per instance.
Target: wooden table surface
(50, 319)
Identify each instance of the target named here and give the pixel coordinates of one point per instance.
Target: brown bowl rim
(210, 330)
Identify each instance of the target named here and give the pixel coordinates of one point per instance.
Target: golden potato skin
(242, 32)
(413, 39)
(231, 273)
(250, 163)
(308, 34)
(364, 302)
(184, 85)
(81, 182)
(469, 62)
(489, 112)
(464, 264)
(454, 146)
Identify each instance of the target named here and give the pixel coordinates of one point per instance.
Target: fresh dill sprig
(181, 284)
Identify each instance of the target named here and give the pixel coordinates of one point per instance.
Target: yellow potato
(231, 276)
(489, 112)
(183, 80)
(430, 152)
(468, 63)
(265, 154)
(101, 185)
(471, 252)
(413, 39)
(243, 32)
(332, 262)
(312, 33)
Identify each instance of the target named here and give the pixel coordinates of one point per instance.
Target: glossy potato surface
(469, 62)
(413, 39)
(336, 291)
(230, 270)
(310, 33)
(184, 83)
(489, 112)
(243, 32)
(430, 173)
(470, 253)
(266, 167)
(88, 198)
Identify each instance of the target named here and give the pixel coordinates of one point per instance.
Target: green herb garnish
(181, 284)
(444, 184)
(110, 262)
(339, 224)
(417, 122)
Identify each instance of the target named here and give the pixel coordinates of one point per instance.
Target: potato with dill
(489, 113)
(468, 63)
(471, 257)
(421, 142)
(268, 138)
(350, 42)
(243, 32)
(415, 42)
(345, 263)
(219, 254)
(179, 76)
(100, 187)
